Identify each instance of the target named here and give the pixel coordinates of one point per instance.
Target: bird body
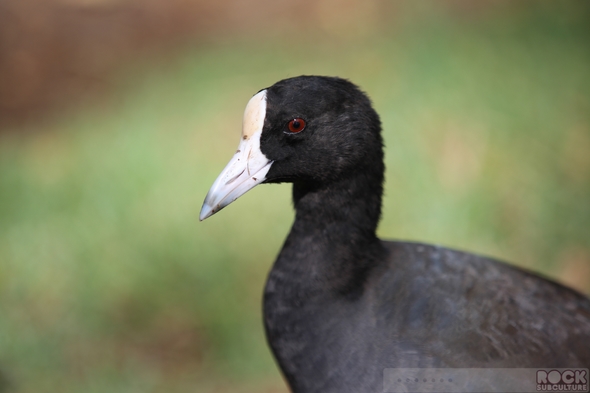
(428, 307)
(341, 305)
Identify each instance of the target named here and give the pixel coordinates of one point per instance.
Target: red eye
(296, 125)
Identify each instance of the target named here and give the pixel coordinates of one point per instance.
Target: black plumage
(341, 305)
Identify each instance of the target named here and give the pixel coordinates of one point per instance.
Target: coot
(341, 305)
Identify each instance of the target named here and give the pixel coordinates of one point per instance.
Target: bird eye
(296, 125)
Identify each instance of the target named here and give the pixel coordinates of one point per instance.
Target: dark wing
(464, 310)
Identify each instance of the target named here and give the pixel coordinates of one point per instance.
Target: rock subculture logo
(569, 380)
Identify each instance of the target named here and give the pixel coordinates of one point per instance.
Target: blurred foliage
(108, 282)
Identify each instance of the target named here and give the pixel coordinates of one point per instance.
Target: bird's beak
(249, 165)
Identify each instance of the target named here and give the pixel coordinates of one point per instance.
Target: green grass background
(108, 281)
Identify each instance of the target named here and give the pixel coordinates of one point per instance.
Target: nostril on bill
(230, 181)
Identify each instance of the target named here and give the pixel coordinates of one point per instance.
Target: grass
(108, 282)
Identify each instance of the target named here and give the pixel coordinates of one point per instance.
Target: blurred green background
(117, 115)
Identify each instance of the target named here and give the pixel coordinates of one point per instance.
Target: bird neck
(326, 261)
(332, 245)
(343, 211)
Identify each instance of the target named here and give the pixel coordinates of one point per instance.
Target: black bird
(341, 305)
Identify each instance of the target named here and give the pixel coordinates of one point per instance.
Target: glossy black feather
(340, 305)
